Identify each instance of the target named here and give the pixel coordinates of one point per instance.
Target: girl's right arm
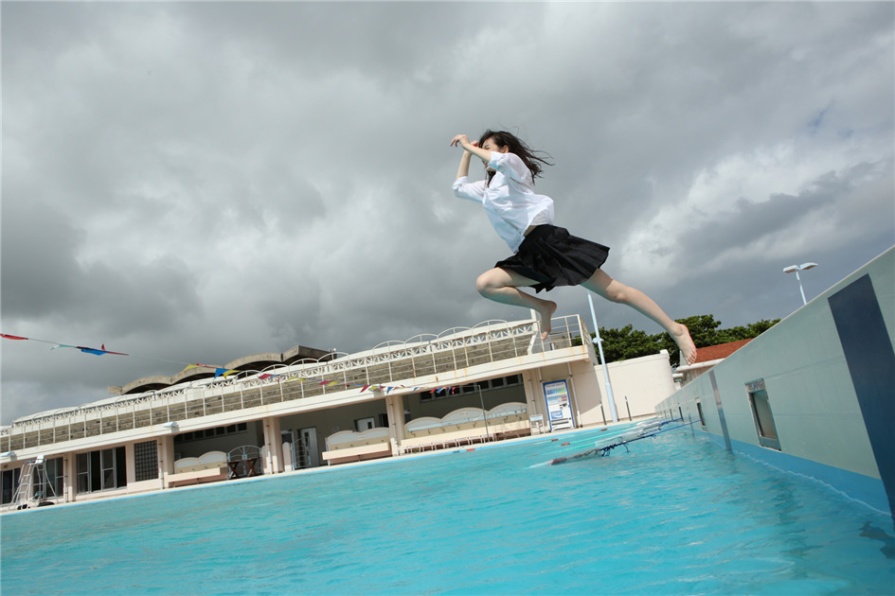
(468, 146)
(506, 163)
(463, 170)
(462, 187)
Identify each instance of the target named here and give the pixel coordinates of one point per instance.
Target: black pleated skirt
(552, 257)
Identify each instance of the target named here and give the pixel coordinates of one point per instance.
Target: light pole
(612, 412)
(795, 269)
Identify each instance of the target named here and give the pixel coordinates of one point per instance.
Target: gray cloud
(38, 265)
(198, 181)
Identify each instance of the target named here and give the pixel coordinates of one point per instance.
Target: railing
(388, 364)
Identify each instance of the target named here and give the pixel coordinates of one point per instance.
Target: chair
(243, 461)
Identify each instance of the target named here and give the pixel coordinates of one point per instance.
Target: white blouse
(510, 201)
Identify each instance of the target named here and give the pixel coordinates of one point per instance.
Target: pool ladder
(27, 495)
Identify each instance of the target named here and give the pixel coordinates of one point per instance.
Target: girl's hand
(462, 140)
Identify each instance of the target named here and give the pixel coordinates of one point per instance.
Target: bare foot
(546, 314)
(683, 340)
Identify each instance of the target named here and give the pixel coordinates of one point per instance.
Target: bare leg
(616, 291)
(502, 285)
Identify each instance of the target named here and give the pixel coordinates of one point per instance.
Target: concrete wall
(638, 384)
(583, 388)
(829, 373)
(644, 381)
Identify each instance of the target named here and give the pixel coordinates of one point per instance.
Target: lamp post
(612, 412)
(795, 269)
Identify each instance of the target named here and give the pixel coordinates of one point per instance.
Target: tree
(627, 342)
(751, 330)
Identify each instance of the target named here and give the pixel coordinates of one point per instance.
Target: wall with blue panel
(815, 394)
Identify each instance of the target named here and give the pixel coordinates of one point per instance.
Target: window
(208, 433)
(107, 465)
(485, 385)
(10, 482)
(761, 413)
(55, 476)
(699, 411)
(101, 470)
(83, 466)
(146, 461)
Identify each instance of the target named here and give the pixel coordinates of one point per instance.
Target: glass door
(288, 437)
(307, 453)
(107, 463)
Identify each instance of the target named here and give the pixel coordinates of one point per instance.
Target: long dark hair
(531, 158)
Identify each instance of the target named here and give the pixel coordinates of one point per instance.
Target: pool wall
(815, 394)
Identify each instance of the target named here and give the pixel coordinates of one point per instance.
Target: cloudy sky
(195, 182)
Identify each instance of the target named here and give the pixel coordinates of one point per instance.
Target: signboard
(559, 406)
(535, 423)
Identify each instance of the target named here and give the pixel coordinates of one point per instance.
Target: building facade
(282, 412)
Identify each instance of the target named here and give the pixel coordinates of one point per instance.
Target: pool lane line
(605, 450)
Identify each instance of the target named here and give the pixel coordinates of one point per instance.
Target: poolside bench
(350, 446)
(466, 426)
(209, 467)
(509, 420)
(463, 426)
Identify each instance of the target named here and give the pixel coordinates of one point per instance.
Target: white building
(273, 413)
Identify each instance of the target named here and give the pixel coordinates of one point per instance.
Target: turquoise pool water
(676, 514)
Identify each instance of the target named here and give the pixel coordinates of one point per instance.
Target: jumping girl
(545, 256)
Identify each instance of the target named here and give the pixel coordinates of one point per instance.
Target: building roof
(720, 351)
(252, 362)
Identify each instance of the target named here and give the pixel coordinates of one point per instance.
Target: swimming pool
(676, 514)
